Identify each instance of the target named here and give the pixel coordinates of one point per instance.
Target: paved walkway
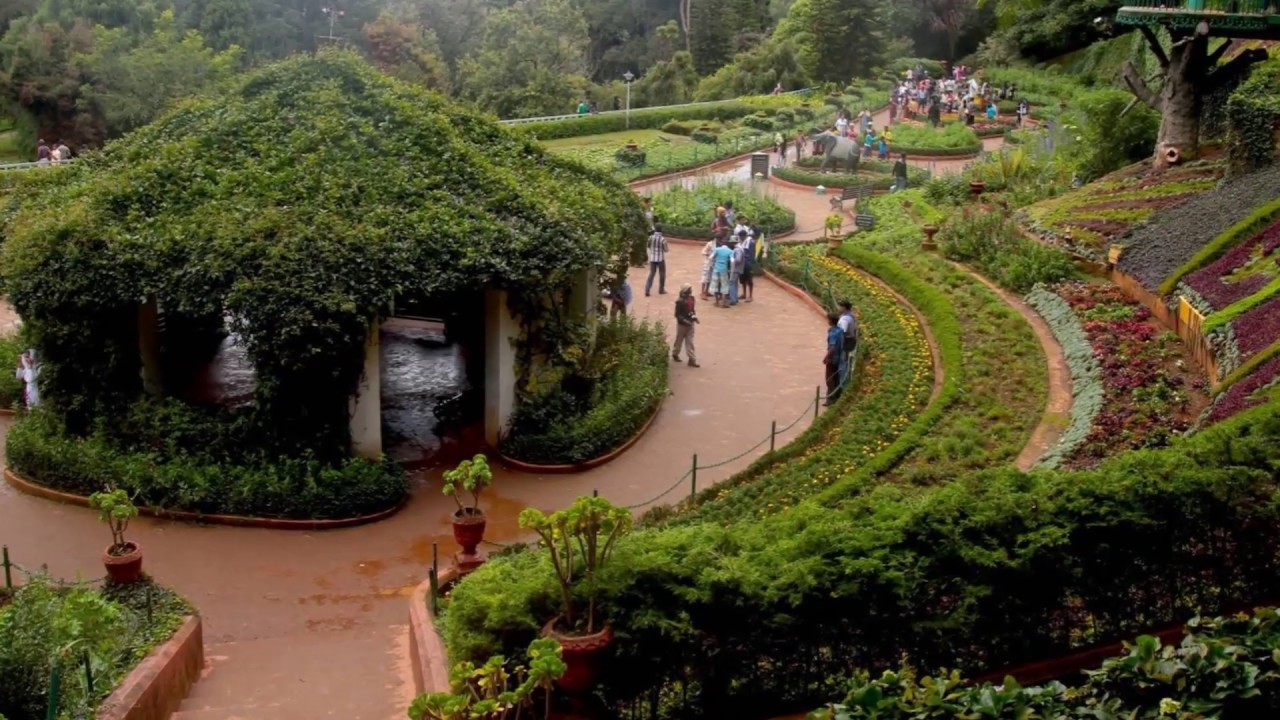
(310, 625)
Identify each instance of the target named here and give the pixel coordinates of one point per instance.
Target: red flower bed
(1214, 282)
(1257, 329)
(1244, 394)
(1148, 394)
(1152, 203)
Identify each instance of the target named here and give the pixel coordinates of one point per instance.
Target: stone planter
(468, 532)
(929, 232)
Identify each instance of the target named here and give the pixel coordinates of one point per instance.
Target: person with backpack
(686, 318)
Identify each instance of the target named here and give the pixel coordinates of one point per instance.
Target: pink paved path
(308, 625)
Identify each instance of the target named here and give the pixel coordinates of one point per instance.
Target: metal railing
(32, 165)
(1228, 7)
(569, 116)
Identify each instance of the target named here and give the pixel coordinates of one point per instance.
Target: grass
(9, 150)
(613, 140)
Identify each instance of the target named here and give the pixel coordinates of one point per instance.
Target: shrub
(705, 136)
(1108, 133)
(675, 127)
(640, 119)
(759, 123)
(869, 175)
(160, 472)
(629, 157)
(786, 116)
(600, 406)
(11, 387)
(687, 212)
(993, 242)
(949, 139)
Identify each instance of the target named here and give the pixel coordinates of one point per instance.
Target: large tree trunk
(1188, 72)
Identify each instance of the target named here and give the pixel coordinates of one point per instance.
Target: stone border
(156, 687)
(585, 465)
(427, 653)
(32, 488)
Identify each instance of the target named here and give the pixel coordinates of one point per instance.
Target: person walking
(848, 324)
(720, 274)
(43, 153)
(686, 319)
(657, 261)
(833, 358)
(900, 173)
(29, 373)
(749, 249)
(799, 145)
(736, 261)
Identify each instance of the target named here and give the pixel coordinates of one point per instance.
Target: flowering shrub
(1240, 273)
(1148, 395)
(1086, 379)
(993, 242)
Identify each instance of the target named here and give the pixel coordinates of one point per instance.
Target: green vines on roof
(1253, 113)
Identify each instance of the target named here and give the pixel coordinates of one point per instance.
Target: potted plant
(485, 692)
(831, 229)
(580, 540)
(976, 187)
(468, 520)
(122, 558)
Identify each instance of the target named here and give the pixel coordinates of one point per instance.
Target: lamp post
(627, 77)
(333, 14)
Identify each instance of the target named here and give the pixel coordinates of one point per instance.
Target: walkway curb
(427, 653)
(156, 687)
(695, 241)
(31, 488)
(811, 188)
(608, 457)
(801, 294)
(636, 184)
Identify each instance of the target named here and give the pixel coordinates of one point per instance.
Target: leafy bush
(640, 119)
(1224, 667)
(759, 123)
(46, 626)
(1109, 131)
(11, 388)
(687, 212)
(601, 406)
(869, 175)
(705, 137)
(165, 468)
(993, 242)
(949, 139)
(629, 157)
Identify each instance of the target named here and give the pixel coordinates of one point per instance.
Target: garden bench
(855, 192)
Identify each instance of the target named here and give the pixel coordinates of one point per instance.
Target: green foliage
(993, 242)
(472, 475)
(1109, 131)
(170, 472)
(11, 388)
(46, 626)
(598, 407)
(687, 212)
(579, 540)
(668, 82)
(315, 194)
(1086, 379)
(486, 692)
(640, 119)
(949, 139)
(756, 71)
(115, 510)
(1253, 116)
(871, 174)
(706, 137)
(630, 157)
(836, 40)
(1224, 667)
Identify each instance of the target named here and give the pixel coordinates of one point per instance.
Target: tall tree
(948, 17)
(404, 50)
(837, 39)
(225, 23)
(710, 36)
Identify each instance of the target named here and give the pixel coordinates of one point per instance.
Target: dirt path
(312, 625)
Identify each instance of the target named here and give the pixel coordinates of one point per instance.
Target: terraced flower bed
(1157, 250)
(1086, 377)
(1151, 392)
(1255, 389)
(893, 382)
(875, 174)
(1243, 271)
(1243, 337)
(1088, 220)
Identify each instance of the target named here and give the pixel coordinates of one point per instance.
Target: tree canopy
(298, 205)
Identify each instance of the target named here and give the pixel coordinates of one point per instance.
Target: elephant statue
(836, 148)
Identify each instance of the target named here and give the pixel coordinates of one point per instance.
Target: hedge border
(33, 488)
(427, 654)
(918, 153)
(570, 468)
(1242, 231)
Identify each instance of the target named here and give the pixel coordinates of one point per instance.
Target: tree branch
(1213, 57)
(1154, 43)
(1139, 87)
(1238, 64)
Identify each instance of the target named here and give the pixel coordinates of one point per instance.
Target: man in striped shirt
(657, 261)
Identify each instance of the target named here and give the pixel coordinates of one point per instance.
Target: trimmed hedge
(165, 477)
(1086, 378)
(629, 370)
(936, 152)
(915, 177)
(640, 119)
(687, 212)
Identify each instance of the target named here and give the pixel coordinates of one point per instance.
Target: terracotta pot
(583, 656)
(977, 186)
(468, 530)
(124, 568)
(929, 232)
(833, 242)
(633, 146)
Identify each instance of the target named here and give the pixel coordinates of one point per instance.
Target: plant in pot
(580, 540)
(486, 693)
(831, 229)
(468, 520)
(123, 558)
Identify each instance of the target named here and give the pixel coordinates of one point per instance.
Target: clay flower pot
(125, 567)
(583, 657)
(976, 187)
(633, 146)
(468, 529)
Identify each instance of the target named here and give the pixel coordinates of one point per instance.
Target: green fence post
(55, 689)
(8, 579)
(773, 434)
(817, 394)
(693, 482)
(88, 671)
(435, 557)
(435, 588)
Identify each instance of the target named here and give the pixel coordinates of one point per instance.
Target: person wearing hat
(720, 260)
(686, 318)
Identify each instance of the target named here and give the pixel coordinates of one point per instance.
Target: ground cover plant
(1243, 271)
(1239, 339)
(1175, 234)
(1151, 391)
(1086, 221)
(1086, 377)
(992, 242)
(891, 384)
(688, 211)
(1250, 390)
(46, 625)
(916, 138)
(1223, 667)
(989, 568)
(597, 406)
(872, 174)
(664, 152)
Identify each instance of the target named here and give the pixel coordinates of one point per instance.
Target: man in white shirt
(842, 125)
(657, 261)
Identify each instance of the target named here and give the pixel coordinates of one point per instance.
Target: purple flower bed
(1240, 396)
(1258, 328)
(1210, 281)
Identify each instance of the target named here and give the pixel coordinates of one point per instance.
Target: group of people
(729, 258)
(56, 154)
(920, 94)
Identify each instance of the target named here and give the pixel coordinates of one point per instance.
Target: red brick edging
(156, 687)
(586, 464)
(802, 295)
(427, 654)
(31, 488)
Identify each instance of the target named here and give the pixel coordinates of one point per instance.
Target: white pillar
(149, 346)
(500, 332)
(365, 405)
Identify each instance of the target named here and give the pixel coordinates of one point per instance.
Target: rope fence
(9, 568)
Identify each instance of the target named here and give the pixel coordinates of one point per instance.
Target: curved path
(312, 625)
